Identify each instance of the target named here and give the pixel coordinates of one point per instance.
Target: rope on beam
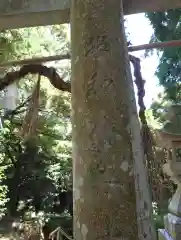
(48, 72)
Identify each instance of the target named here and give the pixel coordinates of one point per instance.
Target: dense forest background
(35, 175)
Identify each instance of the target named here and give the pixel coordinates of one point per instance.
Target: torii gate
(28, 13)
(110, 181)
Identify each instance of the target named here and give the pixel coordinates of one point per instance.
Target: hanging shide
(48, 72)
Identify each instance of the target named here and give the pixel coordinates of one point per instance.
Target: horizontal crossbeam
(29, 13)
(161, 45)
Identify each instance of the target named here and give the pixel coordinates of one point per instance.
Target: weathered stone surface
(26, 13)
(18, 6)
(106, 131)
(171, 133)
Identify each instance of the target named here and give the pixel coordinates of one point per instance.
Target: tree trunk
(106, 133)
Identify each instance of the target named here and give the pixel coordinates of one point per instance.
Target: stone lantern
(169, 137)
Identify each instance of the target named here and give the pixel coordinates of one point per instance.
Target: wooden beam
(33, 19)
(21, 13)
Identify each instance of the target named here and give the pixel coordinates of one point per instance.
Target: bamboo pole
(173, 43)
(149, 46)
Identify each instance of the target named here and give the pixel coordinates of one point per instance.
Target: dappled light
(80, 158)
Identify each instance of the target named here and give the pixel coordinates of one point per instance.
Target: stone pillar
(106, 134)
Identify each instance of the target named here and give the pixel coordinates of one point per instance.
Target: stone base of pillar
(172, 229)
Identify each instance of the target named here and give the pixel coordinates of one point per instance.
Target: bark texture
(106, 135)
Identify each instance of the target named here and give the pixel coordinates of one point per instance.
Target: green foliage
(10, 43)
(167, 26)
(39, 169)
(33, 173)
(159, 107)
(152, 121)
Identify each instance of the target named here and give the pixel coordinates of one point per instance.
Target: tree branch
(48, 72)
